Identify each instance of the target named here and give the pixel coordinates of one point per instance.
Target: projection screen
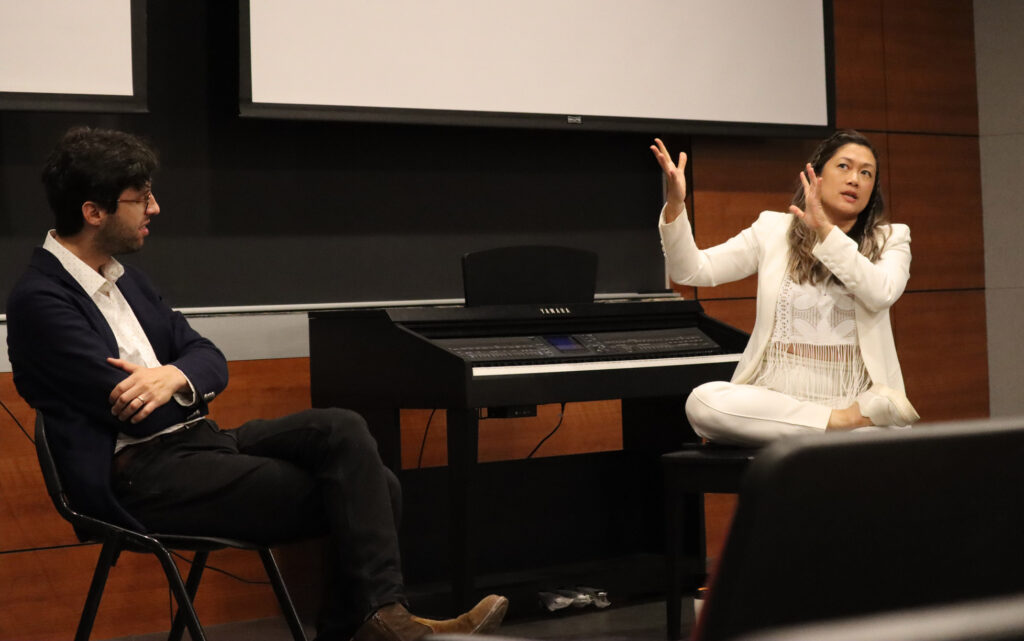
(73, 55)
(550, 63)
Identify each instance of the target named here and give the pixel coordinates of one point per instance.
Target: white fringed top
(814, 354)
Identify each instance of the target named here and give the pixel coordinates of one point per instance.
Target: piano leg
(463, 441)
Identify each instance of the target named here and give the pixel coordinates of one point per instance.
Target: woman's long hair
(803, 266)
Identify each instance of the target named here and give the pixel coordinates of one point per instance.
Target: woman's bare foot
(849, 418)
(886, 406)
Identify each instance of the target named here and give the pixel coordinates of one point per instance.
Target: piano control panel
(551, 348)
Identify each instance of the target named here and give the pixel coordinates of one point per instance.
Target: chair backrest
(529, 274)
(847, 525)
(87, 527)
(50, 474)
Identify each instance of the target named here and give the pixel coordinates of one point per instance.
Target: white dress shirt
(132, 344)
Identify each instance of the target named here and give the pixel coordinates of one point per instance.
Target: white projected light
(732, 61)
(66, 47)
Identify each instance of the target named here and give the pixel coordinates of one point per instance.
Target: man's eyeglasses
(145, 201)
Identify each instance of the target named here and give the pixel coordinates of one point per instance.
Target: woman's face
(847, 180)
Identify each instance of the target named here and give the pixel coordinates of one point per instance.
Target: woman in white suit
(821, 355)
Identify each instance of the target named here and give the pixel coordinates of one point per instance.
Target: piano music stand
(529, 274)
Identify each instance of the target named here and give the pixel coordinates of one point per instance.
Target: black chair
(690, 473)
(116, 539)
(846, 525)
(529, 274)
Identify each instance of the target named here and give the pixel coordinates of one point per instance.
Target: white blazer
(764, 248)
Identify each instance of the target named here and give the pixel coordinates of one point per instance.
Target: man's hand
(145, 389)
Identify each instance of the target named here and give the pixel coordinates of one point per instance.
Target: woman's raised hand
(675, 180)
(813, 214)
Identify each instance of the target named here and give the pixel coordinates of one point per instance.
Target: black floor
(639, 622)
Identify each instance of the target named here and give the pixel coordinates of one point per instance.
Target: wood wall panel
(136, 598)
(262, 389)
(718, 512)
(257, 389)
(38, 577)
(740, 312)
(859, 65)
(27, 517)
(587, 427)
(929, 66)
(935, 187)
(45, 591)
(942, 344)
(734, 180)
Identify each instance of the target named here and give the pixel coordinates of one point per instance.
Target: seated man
(124, 383)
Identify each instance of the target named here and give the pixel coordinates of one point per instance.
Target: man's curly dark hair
(94, 165)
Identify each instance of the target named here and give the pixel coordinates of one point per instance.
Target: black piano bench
(690, 473)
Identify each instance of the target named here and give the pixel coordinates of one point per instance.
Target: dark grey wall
(275, 212)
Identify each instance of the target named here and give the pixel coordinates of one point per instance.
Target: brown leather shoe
(485, 617)
(391, 623)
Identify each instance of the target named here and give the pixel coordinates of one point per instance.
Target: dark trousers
(272, 481)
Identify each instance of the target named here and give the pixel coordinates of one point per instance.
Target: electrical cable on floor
(561, 416)
(224, 572)
(423, 444)
(17, 422)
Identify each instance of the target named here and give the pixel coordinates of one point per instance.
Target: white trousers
(748, 415)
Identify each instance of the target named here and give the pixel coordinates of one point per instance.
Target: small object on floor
(553, 601)
(598, 597)
(579, 599)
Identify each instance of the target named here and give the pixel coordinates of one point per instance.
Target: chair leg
(191, 587)
(108, 556)
(181, 595)
(283, 598)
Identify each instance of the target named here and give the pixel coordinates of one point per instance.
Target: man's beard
(114, 240)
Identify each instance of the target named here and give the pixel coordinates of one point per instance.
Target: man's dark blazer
(58, 343)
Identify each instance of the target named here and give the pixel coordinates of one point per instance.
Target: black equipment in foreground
(848, 525)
